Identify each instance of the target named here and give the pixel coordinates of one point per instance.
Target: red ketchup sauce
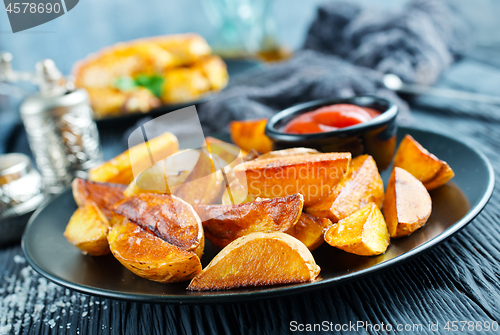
(330, 118)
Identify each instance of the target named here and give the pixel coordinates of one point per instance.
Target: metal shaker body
(62, 136)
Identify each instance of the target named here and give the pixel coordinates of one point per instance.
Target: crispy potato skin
(250, 135)
(314, 176)
(151, 257)
(225, 223)
(121, 169)
(168, 217)
(258, 259)
(103, 195)
(423, 165)
(362, 233)
(361, 185)
(407, 204)
(87, 229)
(309, 230)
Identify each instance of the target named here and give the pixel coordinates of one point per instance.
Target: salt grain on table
(19, 259)
(28, 298)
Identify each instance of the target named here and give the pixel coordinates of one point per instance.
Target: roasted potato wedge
(361, 185)
(168, 217)
(407, 204)
(103, 195)
(151, 257)
(258, 259)
(226, 151)
(225, 223)
(364, 232)
(314, 176)
(423, 165)
(236, 193)
(288, 152)
(309, 230)
(88, 230)
(165, 176)
(250, 135)
(122, 168)
(204, 185)
(444, 174)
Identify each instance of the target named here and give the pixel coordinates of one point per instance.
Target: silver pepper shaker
(61, 132)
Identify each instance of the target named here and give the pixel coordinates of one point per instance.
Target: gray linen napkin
(416, 43)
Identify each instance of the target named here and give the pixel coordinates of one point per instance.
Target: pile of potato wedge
(266, 212)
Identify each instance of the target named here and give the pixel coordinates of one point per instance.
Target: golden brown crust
(168, 217)
(225, 223)
(87, 229)
(309, 230)
(151, 257)
(423, 165)
(442, 177)
(258, 259)
(364, 232)
(103, 195)
(249, 134)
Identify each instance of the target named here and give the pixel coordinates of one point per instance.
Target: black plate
(454, 205)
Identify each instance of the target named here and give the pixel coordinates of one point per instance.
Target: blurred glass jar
(21, 192)
(245, 29)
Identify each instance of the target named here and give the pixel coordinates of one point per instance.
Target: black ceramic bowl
(376, 137)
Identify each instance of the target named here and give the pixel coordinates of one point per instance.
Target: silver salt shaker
(21, 192)
(61, 131)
